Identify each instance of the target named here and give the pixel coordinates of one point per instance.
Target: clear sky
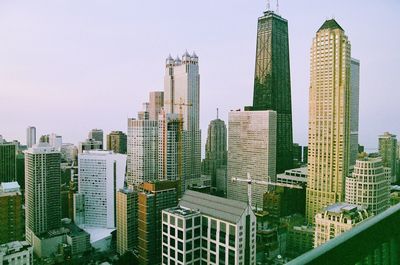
(68, 66)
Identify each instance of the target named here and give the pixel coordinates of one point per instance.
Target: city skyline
(97, 57)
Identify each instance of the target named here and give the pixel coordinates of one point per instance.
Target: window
(188, 223)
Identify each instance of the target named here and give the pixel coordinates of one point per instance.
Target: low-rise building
(336, 219)
(16, 253)
(206, 229)
(369, 185)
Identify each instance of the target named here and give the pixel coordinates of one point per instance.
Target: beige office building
(329, 118)
(369, 185)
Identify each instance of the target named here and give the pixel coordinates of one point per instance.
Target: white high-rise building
(30, 136)
(55, 140)
(142, 151)
(42, 190)
(100, 175)
(251, 149)
(206, 229)
(182, 96)
(354, 108)
(369, 185)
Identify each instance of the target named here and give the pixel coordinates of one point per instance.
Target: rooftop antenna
(277, 7)
(217, 114)
(268, 5)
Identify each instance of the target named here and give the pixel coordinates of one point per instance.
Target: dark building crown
(330, 24)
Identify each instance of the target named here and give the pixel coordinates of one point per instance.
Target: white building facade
(251, 149)
(16, 253)
(182, 96)
(206, 229)
(142, 151)
(100, 175)
(369, 185)
(30, 136)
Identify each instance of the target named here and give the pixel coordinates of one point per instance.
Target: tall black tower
(272, 82)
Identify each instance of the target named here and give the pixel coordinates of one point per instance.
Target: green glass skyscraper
(272, 82)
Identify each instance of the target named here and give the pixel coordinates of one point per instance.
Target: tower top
(330, 24)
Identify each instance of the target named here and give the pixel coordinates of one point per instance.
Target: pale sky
(68, 66)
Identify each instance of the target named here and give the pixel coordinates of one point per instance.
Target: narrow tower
(329, 118)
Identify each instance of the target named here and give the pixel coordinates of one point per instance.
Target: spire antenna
(277, 7)
(268, 5)
(217, 114)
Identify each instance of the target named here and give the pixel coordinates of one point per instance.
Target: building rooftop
(9, 187)
(13, 247)
(343, 207)
(225, 209)
(330, 24)
(42, 148)
(182, 211)
(96, 233)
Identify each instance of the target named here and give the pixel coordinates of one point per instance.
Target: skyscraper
(153, 198)
(116, 141)
(216, 149)
(329, 118)
(156, 103)
(354, 101)
(388, 152)
(8, 166)
(272, 82)
(100, 175)
(42, 190)
(97, 134)
(30, 136)
(142, 151)
(170, 156)
(182, 96)
(252, 147)
(127, 201)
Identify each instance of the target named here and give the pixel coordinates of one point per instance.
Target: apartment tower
(329, 118)
(42, 190)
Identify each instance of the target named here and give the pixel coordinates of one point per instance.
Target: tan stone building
(329, 118)
(336, 219)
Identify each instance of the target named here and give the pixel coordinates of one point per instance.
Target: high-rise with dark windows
(272, 82)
